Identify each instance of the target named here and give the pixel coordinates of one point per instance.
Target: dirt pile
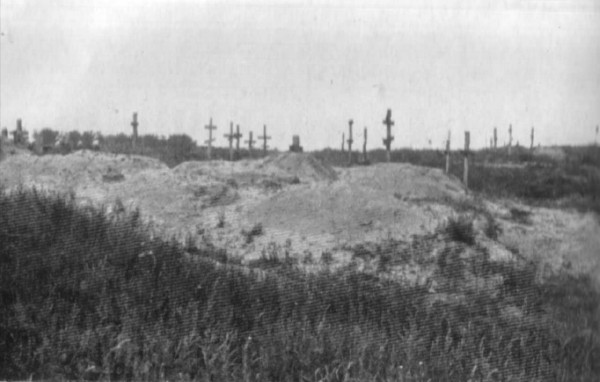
(300, 165)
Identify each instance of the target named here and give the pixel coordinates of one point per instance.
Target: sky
(305, 68)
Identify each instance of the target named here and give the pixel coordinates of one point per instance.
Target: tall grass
(84, 295)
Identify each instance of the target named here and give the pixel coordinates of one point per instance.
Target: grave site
(389, 231)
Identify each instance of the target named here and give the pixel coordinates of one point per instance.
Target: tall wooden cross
(134, 124)
(210, 127)
(264, 138)
(237, 137)
(387, 141)
(350, 140)
(250, 143)
(230, 139)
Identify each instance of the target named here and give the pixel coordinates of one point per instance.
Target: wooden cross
(350, 140)
(134, 124)
(237, 137)
(250, 143)
(210, 140)
(264, 138)
(387, 141)
(230, 139)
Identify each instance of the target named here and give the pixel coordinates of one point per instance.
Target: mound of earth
(367, 203)
(302, 166)
(68, 172)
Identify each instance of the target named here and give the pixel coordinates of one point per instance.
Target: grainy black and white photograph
(296, 190)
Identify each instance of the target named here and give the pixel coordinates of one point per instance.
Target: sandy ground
(301, 204)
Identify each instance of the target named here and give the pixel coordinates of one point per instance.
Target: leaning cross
(210, 140)
(250, 143)
(230, 139)
(264, 138)
(350, 140)
(389, 138)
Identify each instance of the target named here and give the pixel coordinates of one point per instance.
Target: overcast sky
(305, 67)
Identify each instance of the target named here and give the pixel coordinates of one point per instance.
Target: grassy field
(85, 295)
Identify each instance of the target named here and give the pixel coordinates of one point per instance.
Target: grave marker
(532, 136)
(237, 137)
(295, 147)
(448, 153)
(495, 138)
(134, 124)
(389, 138)
(466, 159)
(509, 139)
(250, 143)
(230, 139)
(365, 158)
(343, 143)
(350, 140)
(264, 138)
(210, 127)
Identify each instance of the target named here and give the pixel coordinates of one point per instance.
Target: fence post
(210, 140)
(466, 159)
(389, 138)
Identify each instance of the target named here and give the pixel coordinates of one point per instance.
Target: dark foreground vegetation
(84, 295)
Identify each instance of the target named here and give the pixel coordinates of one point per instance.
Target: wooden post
(250, 143)
(389, 138)
(509, 139)
(210, 127)
(134, 124)
(343, 143)
(365, 158)
(466, 155)
(350, 140)
(230, 139)
(264, 138)
(596, 139)
(532, 136)
(448, 153)
(495, 138)
(237, 137)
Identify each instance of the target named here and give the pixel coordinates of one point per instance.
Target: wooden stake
(210, 140)
(495, 138)
(264, 137)
(466, 155)
(509, 139)
(532, 136)
(343, 143)
(389, 138)
(365, 158)
(350, 140)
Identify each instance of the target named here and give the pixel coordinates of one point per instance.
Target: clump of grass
(460, 229)
(83, 296)
(256, 230)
